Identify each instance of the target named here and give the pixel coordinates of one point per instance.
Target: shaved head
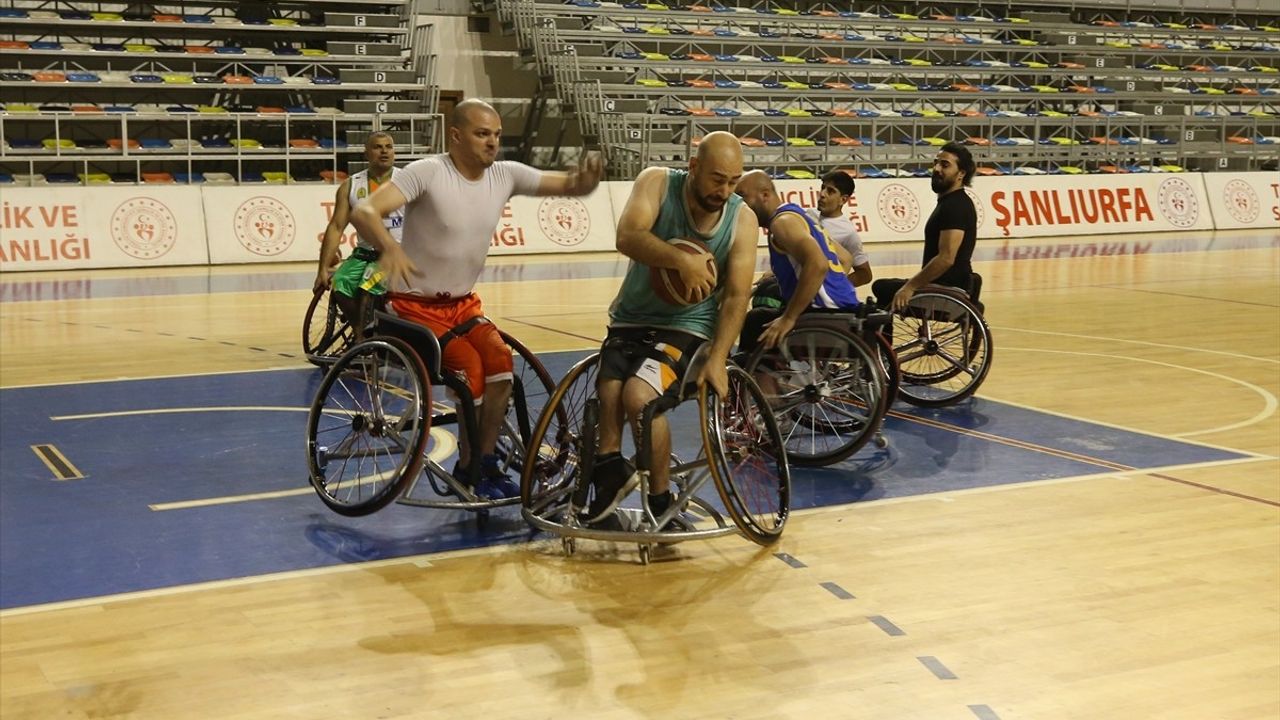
(759, 193)
(715, 171)
(721, 148)
(465, 112)
(474, 137)
(755, 180)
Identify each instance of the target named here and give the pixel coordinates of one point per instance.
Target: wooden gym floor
(1127, 594)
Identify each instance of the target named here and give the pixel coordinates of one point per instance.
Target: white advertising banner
(68, 228)
(555, 225)
(1033, 206)
(1244, 199)
(52, 228)
(268, 223)
(1026, 206)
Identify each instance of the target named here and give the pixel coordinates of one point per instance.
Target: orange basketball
(666, 283)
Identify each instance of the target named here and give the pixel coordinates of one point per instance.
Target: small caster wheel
(644, 554)
(482, 518)
(568, 545)
(881, 441)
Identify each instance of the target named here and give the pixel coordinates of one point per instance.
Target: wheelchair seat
(420, 338)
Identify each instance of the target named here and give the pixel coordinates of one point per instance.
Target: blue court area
(203, 478)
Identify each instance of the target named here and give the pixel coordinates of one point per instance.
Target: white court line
(175, 411)
(1114, 426)
(445, 445)
(1268, 399)
(948, 495)
(157, 377)
(436, 405)
(1138, 342)
(428, 559)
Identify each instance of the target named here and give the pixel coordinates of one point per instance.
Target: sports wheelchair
(943, 344)
(830, 382)
(327, 332)
(335, 322)
(738, 447)
(368, 427)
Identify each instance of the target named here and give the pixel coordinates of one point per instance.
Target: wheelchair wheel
(368, 426)
(531, 390)
(827, 389)
(746, 457)
(943, 346)
(326, 334)
(553, 464)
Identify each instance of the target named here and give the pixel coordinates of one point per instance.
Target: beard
(709, 203)
(936, 182)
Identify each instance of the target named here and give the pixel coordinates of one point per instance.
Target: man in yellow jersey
(360, 268)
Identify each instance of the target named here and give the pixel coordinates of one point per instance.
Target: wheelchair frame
(833, 405)
(555, 478)
(943, 346)
(325, 339)
(397, 415)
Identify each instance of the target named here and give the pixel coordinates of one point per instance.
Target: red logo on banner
(1242, 202)
(1178, 202)
(565, 221)
(144, 228)
(264, 226)
(898, 208)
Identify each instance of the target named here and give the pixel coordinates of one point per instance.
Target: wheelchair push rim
(746, 457)
(944, 349)
(831, 392)
(368, 426)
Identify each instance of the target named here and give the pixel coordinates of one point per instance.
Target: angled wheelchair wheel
(326, 334)
(553, 464)
(746, 457)
(368, 426)
(828, 390)
(531, 389)
(943, 346)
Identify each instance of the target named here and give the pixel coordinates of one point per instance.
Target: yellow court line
(1268, 399)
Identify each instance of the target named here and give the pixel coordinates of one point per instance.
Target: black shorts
(659, 357)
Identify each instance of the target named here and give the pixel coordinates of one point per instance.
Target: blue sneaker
(495, 479)
(497, 488)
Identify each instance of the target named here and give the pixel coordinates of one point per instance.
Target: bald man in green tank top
(650, 341)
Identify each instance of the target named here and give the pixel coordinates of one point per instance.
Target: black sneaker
(659, 505)
(612, 480)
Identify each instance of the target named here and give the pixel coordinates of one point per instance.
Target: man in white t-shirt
(837, 188)
(452, 204)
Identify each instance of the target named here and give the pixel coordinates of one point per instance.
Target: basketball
(666, 283)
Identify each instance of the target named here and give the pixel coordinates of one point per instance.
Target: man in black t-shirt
(949, 235)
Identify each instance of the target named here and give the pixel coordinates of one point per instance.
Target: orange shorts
(480, 354)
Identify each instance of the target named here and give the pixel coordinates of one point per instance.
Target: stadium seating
(122, 93)
(1165, 87)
